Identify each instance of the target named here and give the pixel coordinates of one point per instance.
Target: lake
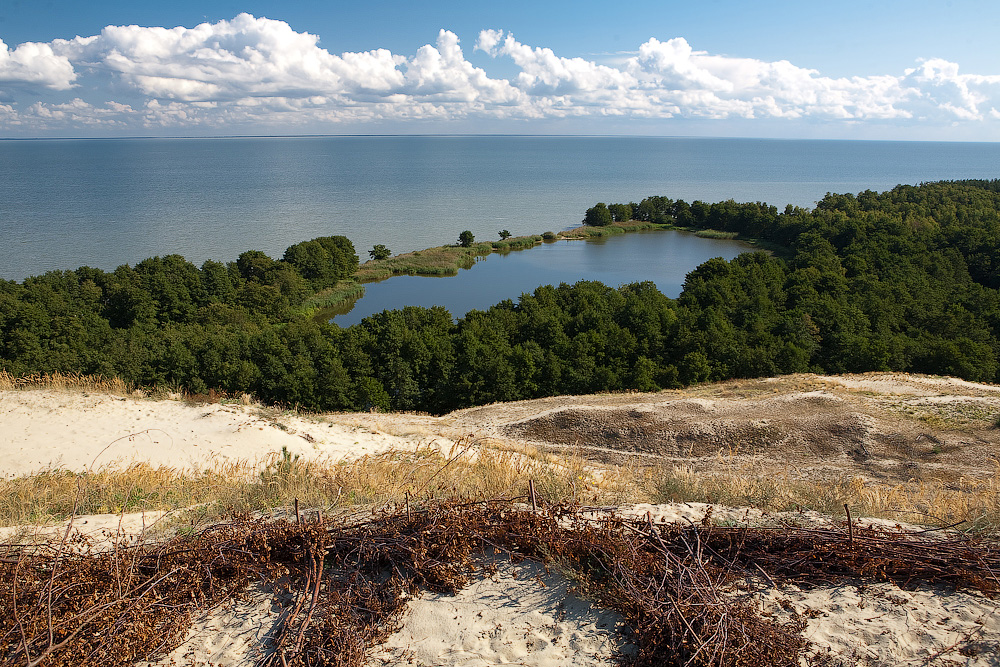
(102, 203)
(663, 257)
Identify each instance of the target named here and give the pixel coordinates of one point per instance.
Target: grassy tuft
(516, 243)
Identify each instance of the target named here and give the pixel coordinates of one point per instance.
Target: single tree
(379, 252)
(504, 234)
(465, 239)
(598, 216)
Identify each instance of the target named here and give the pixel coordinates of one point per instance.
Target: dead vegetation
(57, 380)
(345, 581)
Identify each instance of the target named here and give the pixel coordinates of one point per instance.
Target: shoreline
(448, 260)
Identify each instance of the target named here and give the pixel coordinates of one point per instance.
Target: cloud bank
(252, 71)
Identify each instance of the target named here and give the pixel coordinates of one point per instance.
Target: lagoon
(663, 257)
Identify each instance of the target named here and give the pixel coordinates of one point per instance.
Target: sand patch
(45, 429)
(522, 615)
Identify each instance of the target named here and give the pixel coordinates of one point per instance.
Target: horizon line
(486, 134)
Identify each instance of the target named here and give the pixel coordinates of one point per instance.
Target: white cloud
(35, 64)
(228, 60)
(255, 71)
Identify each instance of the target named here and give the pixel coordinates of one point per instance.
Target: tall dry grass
(469, 470)
(973, 502)
(59, 380)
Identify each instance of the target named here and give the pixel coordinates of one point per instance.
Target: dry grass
(476, 471)
(59, 380)
(470, 470)
(975, 502)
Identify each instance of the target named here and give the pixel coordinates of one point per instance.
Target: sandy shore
(521, 615)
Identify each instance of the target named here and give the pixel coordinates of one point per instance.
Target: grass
(470, 470)
(715, 234)
(473, 470)
(440, 261)
(976, 502)
(958, 414)
(345, 291)
(591, 232)
(585, 232)
(59, 380)
(516, 243)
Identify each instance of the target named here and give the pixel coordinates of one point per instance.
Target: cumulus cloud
(252, 70)
(35, 64)
(246, 56)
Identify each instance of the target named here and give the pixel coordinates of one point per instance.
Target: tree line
(904, 280)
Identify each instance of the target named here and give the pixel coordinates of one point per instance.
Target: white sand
(78, 431)
(521, 615)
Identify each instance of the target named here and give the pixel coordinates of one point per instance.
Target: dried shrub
(346, 581)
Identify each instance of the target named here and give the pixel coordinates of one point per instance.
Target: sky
(852, 69)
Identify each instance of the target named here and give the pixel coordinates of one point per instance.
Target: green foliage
(466, 239)
(379, 251)
(620, 212)
(903, 280)
(504, 234)
(598, 216)
(323, 261)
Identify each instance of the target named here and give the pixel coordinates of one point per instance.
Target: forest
(903, 280)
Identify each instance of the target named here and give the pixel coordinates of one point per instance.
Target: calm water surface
(102, 203)
(663, 257)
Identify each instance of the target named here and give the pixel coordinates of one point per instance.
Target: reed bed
(715, 234)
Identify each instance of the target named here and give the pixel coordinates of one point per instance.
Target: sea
(107, 202)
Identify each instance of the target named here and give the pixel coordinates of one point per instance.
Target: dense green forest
(904, 280)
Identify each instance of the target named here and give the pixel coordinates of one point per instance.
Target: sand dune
(521, 614)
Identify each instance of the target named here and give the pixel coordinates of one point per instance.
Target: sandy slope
(874, 424)
(76, 431)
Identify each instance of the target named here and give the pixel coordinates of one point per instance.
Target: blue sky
(911, 70)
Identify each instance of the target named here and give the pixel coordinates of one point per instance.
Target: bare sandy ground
(880, 425)
(48, 429)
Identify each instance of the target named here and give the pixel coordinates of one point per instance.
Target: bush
(466, 239)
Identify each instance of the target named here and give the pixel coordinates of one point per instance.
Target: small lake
(663, 257)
